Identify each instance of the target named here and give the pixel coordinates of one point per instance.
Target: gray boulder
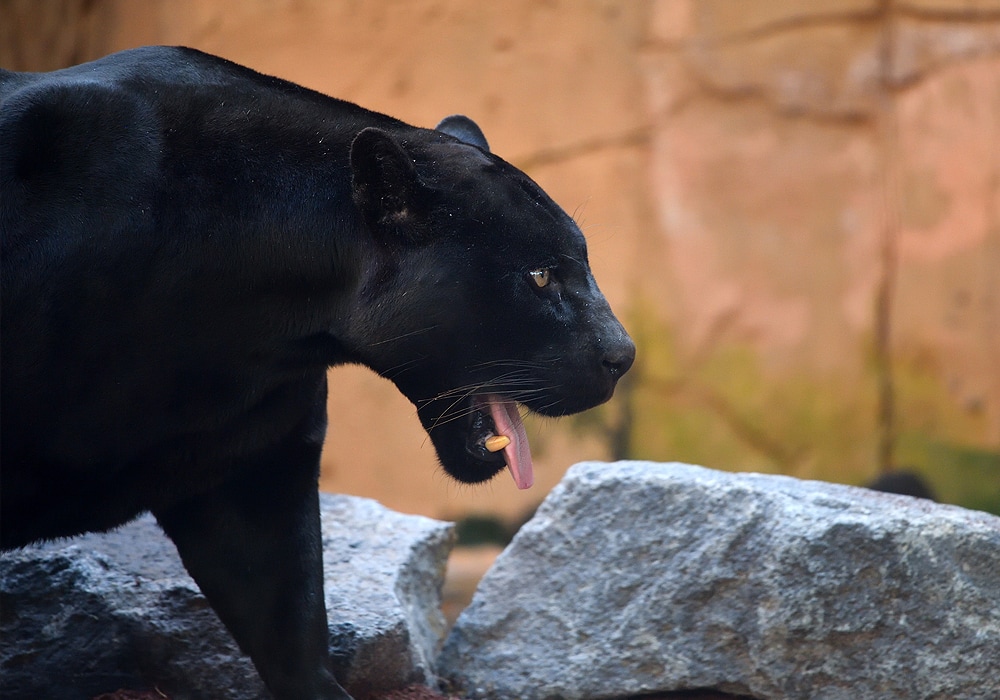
(102, 612)
(639, 577)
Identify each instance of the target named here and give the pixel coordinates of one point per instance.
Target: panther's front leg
(254, 547)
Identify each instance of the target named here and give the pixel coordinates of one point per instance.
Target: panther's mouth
(492, 416)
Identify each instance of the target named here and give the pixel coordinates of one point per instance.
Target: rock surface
(640, 577)
(101, 612)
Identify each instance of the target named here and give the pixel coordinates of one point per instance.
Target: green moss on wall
(728, 409)
(725, 410)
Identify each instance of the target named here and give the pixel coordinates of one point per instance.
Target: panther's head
(480, 299)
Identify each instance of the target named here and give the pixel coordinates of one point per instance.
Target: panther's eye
(539, 277)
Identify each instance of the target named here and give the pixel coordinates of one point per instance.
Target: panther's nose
(618, 359)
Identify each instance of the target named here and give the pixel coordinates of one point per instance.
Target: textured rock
(384, 574)
(639, 577)
(101, 612)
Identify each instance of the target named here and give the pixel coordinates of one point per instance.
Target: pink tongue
(517, 453)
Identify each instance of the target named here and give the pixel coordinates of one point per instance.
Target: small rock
(89, 615)
(639, 578)
(384, 572)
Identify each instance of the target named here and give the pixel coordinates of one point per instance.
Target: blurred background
(793, 206)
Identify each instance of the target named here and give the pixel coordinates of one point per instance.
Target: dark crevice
(888, 247)
(633, 138)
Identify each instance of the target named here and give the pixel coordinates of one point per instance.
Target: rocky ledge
(632, 578)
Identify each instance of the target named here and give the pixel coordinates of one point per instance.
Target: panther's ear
(385, 185)
(463, 129)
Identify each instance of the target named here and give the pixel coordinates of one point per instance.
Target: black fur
(188, 245)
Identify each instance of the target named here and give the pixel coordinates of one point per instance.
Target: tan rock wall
(826, 178)
(796, 207)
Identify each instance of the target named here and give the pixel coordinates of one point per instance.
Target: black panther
(189, 245)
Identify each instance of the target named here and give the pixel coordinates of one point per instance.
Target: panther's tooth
(495, 443)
